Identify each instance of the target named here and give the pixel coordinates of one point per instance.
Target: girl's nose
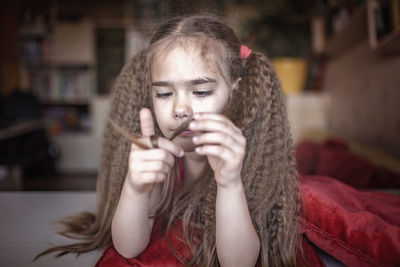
(182, 109)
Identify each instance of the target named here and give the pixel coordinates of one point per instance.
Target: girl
(235, 200)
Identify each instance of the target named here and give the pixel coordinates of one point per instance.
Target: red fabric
(159, 254)
(357, 228)
(310, 257)
(332, 158)
(307, 157)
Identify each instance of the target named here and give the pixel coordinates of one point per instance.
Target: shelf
(56, 65)
(362, 26)
(64, 103)
(353, 33)
(390, 42)
(57, 62)
(33, 32)
(21, 128)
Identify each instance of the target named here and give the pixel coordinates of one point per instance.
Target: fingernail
(197, 149)
(181, 153)
(196, 116)
(195, 139)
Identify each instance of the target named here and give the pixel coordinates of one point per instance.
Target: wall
(363, 97)
(306, 114)
(82, 152)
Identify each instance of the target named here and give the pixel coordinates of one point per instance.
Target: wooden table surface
(27, 224)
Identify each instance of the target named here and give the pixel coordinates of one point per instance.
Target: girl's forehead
(180, 61)
(186, 58)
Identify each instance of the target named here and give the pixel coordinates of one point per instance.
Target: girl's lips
(187, 133)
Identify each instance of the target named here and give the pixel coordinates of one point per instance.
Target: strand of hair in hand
(134, 139)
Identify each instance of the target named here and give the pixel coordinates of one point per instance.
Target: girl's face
(183, 84)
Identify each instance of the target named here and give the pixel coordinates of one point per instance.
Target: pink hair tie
(244, 52)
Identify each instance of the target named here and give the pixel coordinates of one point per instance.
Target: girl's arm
(131, 226)
(236, 239)
(237, 242)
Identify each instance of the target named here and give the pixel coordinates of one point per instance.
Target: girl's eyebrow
(160, 83)
(197, 81)
(202, 80)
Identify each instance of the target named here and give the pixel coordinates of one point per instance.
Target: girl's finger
(218, 138)
(152, 177)
(216, 126)
(154, 155)
(150, 166)
(161, 143)
(146, 122)
(170, 147)
(218, 151)
(216, 117)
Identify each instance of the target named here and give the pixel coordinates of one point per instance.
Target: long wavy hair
(269, 174)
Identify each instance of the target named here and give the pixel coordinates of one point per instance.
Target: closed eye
(164, 95)
(203, 93)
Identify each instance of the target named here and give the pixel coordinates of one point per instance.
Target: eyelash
(163, 95)
(196, 93)
(203, 93)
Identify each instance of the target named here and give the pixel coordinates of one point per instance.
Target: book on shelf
(63, 119)
(62, 85)
(31, 51)
(387, 18)
(34, 51)
(73, 85)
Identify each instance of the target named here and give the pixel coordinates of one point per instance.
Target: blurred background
(338, 60)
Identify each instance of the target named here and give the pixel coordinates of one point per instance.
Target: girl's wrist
(132, 189)
(233, 185)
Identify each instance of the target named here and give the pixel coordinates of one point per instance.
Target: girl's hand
(223, 144)
(150, 166)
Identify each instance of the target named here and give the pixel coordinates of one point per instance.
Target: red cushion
(357, 228)
(307, 156)
(333, 158)
(336, 161)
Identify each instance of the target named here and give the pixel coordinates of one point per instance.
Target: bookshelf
(57, 62)
(350, 35)
(390, 43)
(384, 25)
(376, 21)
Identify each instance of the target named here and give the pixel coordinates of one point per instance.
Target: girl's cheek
(207, 106)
